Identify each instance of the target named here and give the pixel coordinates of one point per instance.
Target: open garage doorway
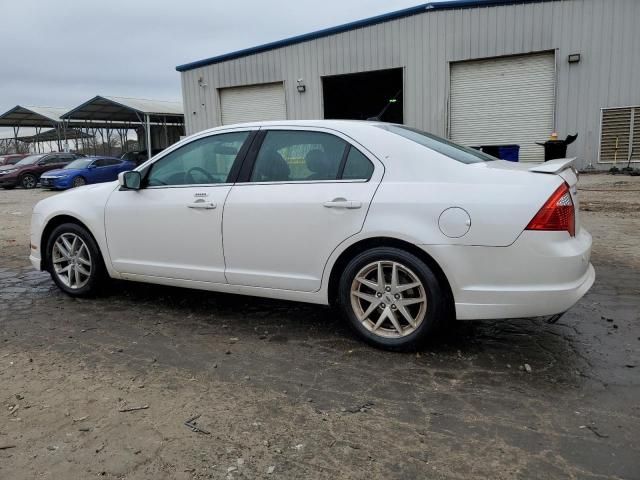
(367, 95)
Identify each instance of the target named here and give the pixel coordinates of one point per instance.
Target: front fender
(85, 205)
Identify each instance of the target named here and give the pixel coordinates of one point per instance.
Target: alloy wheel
(71, 260)
(389, 299)
(29, 181)
(79, 181)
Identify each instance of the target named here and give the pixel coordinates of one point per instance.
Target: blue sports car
(86, 170)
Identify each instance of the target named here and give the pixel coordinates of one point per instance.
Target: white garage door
(253, 103)
(507, 100)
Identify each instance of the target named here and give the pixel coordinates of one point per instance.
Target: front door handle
(201, 203)
(343, 203)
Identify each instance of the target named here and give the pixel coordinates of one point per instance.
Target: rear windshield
(440, 145)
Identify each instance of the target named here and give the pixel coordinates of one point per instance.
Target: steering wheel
(210, 178)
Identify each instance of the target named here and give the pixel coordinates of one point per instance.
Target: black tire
(98, 273)
(437, 301)
(79, 181)
(28, 181)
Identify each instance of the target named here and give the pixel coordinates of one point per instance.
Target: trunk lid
(562, 167)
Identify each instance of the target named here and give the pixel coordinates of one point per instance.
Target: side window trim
(245, 165)
(343, 161)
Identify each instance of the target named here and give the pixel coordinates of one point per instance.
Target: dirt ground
(284, 390)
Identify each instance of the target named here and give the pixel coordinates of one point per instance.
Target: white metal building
(478, 72)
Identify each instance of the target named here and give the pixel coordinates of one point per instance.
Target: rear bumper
(542, 273)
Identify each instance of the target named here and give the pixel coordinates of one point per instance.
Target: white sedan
(399, 228)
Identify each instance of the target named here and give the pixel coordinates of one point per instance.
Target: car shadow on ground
(514, 347)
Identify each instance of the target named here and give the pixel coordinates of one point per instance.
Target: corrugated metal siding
(603, 31)
(508, 100)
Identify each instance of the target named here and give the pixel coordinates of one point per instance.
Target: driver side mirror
(130, 180)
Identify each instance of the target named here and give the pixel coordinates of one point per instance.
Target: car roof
(340, 125)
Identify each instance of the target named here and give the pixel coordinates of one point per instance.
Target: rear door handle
(201, 203)
(342, 203)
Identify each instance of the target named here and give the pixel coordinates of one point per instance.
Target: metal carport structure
(52, 136)
(35, 117)
(126, 113)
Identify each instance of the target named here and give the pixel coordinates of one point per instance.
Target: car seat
(270, 167)
(318, 163)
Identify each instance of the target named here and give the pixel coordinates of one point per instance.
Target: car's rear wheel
(28, 180)
(79, 181)
(74, 260)
(391, 298)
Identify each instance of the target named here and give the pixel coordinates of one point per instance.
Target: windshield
(440, 145)
(80, 163)
(30, 160)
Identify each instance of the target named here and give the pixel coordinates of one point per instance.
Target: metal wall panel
(603, 31)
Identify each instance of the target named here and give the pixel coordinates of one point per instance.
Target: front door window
(202, 162)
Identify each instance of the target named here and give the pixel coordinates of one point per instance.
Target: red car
(27, 171)
(12, 158)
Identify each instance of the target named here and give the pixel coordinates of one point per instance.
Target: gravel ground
(284, 390)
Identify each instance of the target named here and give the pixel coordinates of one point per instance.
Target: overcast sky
(63, 52)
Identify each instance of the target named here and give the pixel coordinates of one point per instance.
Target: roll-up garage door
(507, 100)
(253, 103)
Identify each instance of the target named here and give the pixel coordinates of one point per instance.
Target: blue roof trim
(426, 7)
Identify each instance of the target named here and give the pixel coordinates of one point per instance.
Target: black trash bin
(557, 148)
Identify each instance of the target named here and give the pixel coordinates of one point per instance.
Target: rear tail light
(557, 214)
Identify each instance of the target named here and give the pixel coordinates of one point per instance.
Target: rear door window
(297, 155)
(357, 166)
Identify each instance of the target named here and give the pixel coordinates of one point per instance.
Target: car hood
(65, 172)
(10, 167)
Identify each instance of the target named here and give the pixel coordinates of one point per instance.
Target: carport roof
(407, 12)
(123, 109)
(29, 116)
(53, 135)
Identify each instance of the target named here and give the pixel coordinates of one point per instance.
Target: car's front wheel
(79, 181)
(74, 260)
(391, 298)
(28, 180)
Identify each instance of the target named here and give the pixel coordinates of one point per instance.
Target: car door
(111, 169)
(100, 170)
(172, 227)
(303, 193)
(49, 162)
